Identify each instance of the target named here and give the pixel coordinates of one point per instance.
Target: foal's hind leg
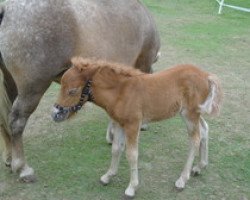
(203, 148)
(7, 146)
(192, 122)
(110, 132)
(24, 105)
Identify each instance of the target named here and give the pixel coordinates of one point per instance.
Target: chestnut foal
(131, 98)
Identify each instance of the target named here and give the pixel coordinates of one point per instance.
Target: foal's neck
(106, 90)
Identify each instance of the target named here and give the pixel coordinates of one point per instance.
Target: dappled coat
(38, 38)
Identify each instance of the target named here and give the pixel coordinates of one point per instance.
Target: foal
(131, 98)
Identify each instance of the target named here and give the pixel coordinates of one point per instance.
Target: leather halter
(85, 96)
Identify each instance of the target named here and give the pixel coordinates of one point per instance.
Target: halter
(86, 92)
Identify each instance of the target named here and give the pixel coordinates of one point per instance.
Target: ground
(70, 157)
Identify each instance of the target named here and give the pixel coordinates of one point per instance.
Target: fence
(221, 3)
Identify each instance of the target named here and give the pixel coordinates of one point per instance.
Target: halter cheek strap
(86, 95)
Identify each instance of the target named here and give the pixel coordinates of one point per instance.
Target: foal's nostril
(54, 116)
(58, 116)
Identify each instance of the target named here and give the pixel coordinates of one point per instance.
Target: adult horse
(37, 40)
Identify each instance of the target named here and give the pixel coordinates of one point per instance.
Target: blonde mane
(105, 66)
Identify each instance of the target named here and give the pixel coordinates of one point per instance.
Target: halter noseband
(86, 92)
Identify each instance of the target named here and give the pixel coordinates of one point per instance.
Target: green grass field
(70, 157)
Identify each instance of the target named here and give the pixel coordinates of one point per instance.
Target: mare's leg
(203, 148)
(192, 122)
(7, 146)
(117, 148)
(132, 137)
(24, 105)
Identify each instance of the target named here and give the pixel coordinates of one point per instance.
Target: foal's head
(75, 89)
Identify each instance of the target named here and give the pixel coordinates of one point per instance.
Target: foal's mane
(103, 66)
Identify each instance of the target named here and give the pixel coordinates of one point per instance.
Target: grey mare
(37, 40)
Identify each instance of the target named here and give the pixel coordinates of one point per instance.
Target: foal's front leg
(117, 148)
(132, 137)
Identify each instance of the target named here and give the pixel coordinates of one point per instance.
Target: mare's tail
(8, 90)
(212, 104)
(1, 13)
(5, 103)
(158, 55)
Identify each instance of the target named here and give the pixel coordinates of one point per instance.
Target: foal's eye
(72, 92)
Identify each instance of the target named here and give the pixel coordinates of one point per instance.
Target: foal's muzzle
(59, 115)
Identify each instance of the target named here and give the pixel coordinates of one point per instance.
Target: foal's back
(167, 92)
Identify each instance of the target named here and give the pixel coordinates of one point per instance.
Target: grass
(69, 158)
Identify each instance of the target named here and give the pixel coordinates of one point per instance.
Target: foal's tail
(212, 104)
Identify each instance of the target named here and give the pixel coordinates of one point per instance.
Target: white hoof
(196, 170)
(105, 180)
(130, 192)
(144, 127)
(180, 183)
(27, 174)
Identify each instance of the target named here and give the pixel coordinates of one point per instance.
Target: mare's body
(37, 40)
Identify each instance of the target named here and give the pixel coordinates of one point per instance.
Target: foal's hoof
(129, 193)
(180, 184)
(103, 183)
(144, 127)
(196, 171)
(127, 197)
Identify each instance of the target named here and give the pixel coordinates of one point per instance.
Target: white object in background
(221, 3)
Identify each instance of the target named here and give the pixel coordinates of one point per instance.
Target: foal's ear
(80, 63)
